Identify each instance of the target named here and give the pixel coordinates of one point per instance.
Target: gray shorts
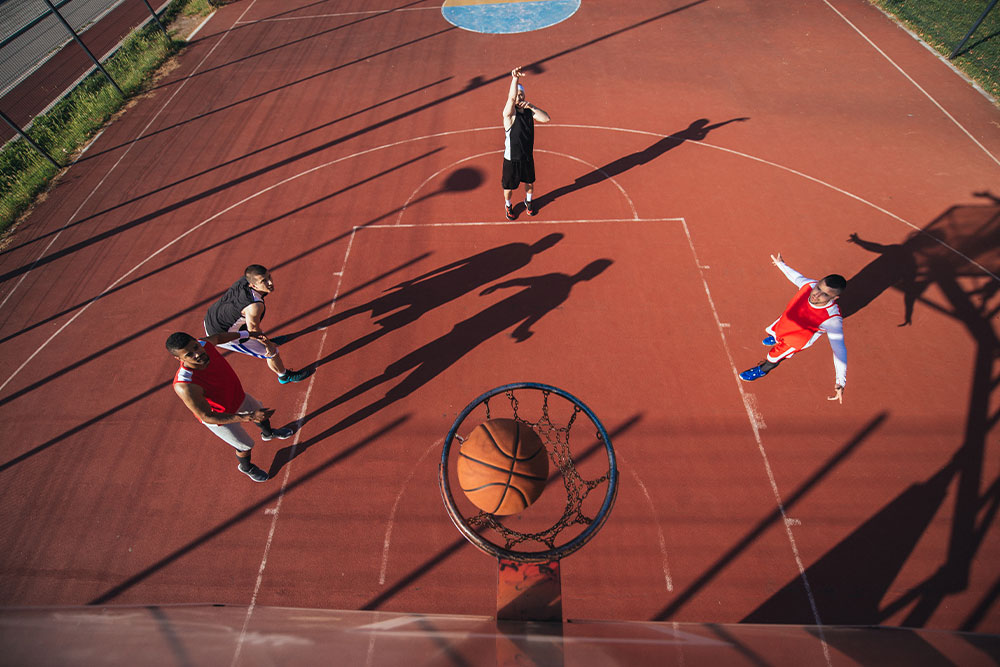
(235, 434)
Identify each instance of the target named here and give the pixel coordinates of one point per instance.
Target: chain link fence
(41, 59)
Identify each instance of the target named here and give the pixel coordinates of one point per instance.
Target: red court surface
(354, 148)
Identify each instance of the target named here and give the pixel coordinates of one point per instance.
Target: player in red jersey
(209, 387)
(812, 312)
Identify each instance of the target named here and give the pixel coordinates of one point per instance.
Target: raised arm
(789, 272)
(510, 108)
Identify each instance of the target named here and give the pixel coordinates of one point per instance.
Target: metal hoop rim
(528, 556)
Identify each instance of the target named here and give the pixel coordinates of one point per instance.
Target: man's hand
(257, 416)
(516, 73)
(776, 259)
(838, 396)
(853, 238)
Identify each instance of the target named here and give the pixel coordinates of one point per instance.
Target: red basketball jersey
(801, 319)
(223, 390)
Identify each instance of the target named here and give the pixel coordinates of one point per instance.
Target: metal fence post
(29, 140)
(974, 27)
(155, 17)
(84, 47)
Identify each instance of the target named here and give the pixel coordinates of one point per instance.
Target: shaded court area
(355, 151)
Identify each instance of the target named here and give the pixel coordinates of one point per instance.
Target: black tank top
(522, 135)
(225, 312)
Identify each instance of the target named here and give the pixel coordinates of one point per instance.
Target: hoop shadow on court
(407, 301)
(538, 296)
(696, 131)
(852, 583)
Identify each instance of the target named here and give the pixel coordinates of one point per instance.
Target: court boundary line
(753, 414)
(366, 12)
(748, 400)
(912, 81)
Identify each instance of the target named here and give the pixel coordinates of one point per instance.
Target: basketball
(502, 466)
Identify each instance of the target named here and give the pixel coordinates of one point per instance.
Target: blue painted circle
(510, 17)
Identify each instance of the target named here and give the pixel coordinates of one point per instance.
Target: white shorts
(235, 434)
(250, 346)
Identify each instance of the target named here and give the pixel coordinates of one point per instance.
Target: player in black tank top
(519, 118)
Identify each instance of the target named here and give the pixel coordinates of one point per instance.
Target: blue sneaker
(769, 341)
(754, 373)
(295, 376)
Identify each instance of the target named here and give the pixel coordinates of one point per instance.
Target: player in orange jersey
(812, 312)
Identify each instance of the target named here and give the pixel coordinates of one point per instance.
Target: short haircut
(178, 341)
(254, 270)
(835, 281)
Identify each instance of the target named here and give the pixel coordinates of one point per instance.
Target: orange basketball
(502, 466)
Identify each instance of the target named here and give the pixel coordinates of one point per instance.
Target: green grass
(943, 24)
(65, 129)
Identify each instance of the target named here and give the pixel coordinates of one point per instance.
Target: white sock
(527, 196)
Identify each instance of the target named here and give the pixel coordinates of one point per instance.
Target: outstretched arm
(870, 246)
(789, 272)
(834, 328)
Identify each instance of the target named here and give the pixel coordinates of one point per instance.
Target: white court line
(802, 175)
(200, 26)
(635, 216)
(395, 507)
(420, 187)
(667, 579)
(118, 161)
(493, 129)
(508, 223)
(288, 466)
(339, 14)
(915, 84)
(433, 176)
(753, 415)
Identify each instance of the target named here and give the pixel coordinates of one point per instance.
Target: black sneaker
(295, 376)
(510, 212)
(529, 207)
(283, 433)
(255, 473)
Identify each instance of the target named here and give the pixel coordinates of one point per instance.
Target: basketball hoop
(530, 403)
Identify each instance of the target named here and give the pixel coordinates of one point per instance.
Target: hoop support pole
(528, 591)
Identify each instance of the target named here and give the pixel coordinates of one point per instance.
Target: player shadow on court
(408, 301)
(522, 310)
(696, 131)
(855, 582)
(925, 258)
